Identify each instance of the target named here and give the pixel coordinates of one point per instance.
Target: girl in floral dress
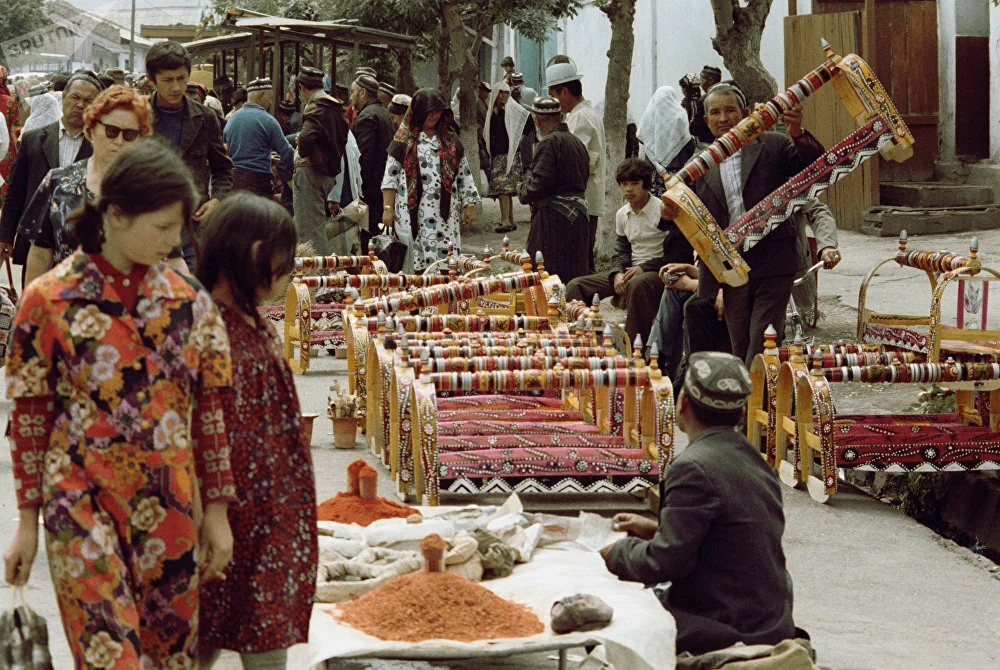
(428, 188)
(110, 354)
(264, 604)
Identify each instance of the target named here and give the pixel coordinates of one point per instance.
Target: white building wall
(671, 39)
(947, 27)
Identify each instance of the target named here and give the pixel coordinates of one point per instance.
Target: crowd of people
(151, 411)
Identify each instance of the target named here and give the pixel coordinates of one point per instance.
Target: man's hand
(620, 284)
(631, 272)
(215, 543)
(720, 309)
(793, 119)
(21, 551)
(388, 217)
(635, 525)
(469, 216)
(334, 207)
(6, 251)
(668, 210)
(687, 276)
(829, 255)
(205, 210)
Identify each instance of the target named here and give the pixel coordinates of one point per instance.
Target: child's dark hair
(143, 178)
(166, 55)
(227, 242)
(635, 169)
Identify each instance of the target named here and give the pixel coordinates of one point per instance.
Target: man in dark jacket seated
(643, 244)
(718, 541)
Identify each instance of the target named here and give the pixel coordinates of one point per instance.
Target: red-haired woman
(118, 117)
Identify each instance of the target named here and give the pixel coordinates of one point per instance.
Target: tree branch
(723, 12)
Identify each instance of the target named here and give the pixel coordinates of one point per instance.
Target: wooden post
(298, 56)
(333, 66)
(281, 71)
(793, 7)
(356, 57)
(260, 54)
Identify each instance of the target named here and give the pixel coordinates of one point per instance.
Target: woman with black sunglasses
(117, 118)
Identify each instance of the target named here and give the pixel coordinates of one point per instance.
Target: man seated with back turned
(718, 541)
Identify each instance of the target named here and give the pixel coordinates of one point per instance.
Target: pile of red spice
(359, 504)
(434, 606)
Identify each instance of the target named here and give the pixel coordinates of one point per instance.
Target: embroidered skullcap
(712, 71)
(517, 78)
(311, 78)
(88, 76)
(370, 71)
(717, 381)
(388, 89)
(483, 86)
(400, 103)
(507, 60)
(263, 84)
(368, 83)
(546, 106)
(286, 106)
(116, 73)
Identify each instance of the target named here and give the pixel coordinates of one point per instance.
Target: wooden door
(824, 115)
(903, 52)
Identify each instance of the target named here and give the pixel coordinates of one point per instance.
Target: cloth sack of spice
(24, 640)
(498, 558)
(346, 579)
(580, 612)
(794, 654)
(463, 557)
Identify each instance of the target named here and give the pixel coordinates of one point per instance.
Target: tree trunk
(445, 76)
(404, 73)
(737, 40)
(466, 57)
(621, 13)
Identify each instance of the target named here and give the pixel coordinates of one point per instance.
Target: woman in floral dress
(118, 117)
(264, 604)
(110, 354)
(11, 113)
(428, 188)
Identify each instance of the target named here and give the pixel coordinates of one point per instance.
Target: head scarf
(404, 150)
(515, 116)
(45, 110)
(663, 128)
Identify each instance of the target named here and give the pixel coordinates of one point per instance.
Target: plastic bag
(24, 638)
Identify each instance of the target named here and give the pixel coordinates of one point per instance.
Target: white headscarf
(515, 116)
(663, 128)
(45, 110)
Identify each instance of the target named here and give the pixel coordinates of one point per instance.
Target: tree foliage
(18, 17)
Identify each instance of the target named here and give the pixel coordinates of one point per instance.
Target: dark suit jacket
(38, 153)
(766, 163)
(719, 546)
(202, 150)
(373, 132)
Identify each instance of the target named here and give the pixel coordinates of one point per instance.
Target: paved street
(873, 587)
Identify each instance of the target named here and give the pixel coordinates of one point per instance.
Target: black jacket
(560, 166)
(38, 153)
(324, 134)
(202, 149)
(766, 164)
(719, 546)
(373, 132)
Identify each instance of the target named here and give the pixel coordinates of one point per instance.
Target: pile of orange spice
(435, 606)
(359, 504)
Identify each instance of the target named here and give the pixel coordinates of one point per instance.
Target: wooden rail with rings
(882, 130)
